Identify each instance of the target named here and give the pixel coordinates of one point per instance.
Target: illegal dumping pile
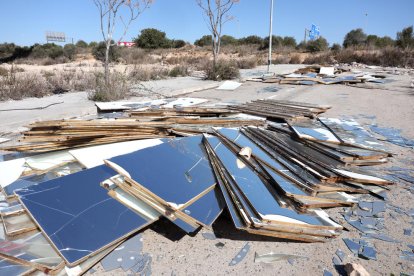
(273, 180)
(312, 75)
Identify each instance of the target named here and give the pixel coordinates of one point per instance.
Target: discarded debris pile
(64, 211)
(321, 75)
(63, 134)
(276, 109)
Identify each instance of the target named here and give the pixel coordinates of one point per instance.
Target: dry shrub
(189, 60)
(139, 73)
(295, 59)
(3, 72)
(18, 86)
(393, 56)
(390, 56)
(224, 70)
(247, 63)
(179, 71)
(281, 59)
(68, 80)
(347, 56)
(321, 58)
(117, 88)
(136, 56)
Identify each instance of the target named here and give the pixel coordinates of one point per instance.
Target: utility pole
(269, 62)
(306, 33)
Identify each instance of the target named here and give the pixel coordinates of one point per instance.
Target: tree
(205, 40)
(251, 39)
(47, 50)
(69, 51)
(317, 45)
(179, 43)
(379, 42)
(228, 40)
(217, 15)
(289, 41)
(277, 42)
(92, 44)
(7, 50)
(405, 38)
(81, 44)
(336, 47)
(99, 52)
(109, 11)
(385, 41)
(355, 37)
(152, 39)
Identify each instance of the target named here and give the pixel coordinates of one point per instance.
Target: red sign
(126, 44)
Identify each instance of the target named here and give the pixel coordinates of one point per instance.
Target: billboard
(55, 37)
(314, 32)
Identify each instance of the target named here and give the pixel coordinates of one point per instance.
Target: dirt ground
(387, 105)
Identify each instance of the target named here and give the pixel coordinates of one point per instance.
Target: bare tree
(109, 11)
(216, 12)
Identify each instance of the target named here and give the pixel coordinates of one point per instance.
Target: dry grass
(68, 80)
(116, 89)
(136, 56)
(18, 86)
(140, 73)
(320, 58)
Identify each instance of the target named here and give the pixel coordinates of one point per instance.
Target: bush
(152, 39)
(178, 43)
(224, 70)
(100, 49)
(252, 39)
(179, 71)
(3, 72)
(277, 42)
(116, 89)
(295, 59)
(50, 50)
(247, 63)
(7, 50)
(322, 59)
(317, 45)
(92, 44)
(81, 44)
(206, 40)
(281, 59)
(228, 40)
(405, 38)
(336, 47)
(289, 41)
(355, 37)
(379, 42)
(69, 51)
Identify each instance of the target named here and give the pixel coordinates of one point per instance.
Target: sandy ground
(390, 105)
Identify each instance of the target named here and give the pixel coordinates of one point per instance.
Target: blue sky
(25, 22)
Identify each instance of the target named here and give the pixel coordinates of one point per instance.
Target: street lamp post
(269, 61)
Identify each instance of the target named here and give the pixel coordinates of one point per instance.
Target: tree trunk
(106, 64)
